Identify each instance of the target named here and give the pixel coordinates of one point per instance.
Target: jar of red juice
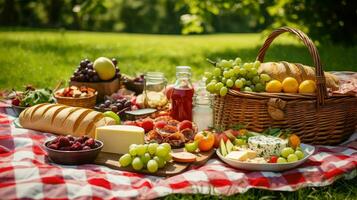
(182, 93)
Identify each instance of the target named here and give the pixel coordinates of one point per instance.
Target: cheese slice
(242, 155)
(118, 138)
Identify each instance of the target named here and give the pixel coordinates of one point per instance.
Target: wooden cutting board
(172, 168)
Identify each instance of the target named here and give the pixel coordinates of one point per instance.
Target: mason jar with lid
(154, 90)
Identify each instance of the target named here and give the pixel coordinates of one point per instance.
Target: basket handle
(319, 73)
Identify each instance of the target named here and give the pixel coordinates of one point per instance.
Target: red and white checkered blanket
(25, 173)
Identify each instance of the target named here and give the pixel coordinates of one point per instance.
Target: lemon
(290, 85)
(307, 86)
(273, 86)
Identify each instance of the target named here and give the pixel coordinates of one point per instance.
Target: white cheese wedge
(242, 155)
(118, 138)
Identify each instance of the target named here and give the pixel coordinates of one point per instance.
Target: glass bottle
(154, 90)
(182, 93)
(202, 113)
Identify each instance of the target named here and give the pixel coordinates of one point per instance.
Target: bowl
(73, 157)
(272, 167)
(18, 109)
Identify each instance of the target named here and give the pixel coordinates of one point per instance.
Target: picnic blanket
(26, 173)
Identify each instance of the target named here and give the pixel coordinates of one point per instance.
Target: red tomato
(273, 159)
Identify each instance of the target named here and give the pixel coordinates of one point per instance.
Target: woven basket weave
(316, 119)
(84, 102)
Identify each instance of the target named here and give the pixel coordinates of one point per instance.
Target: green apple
(112, 114)
(191, 147)
(105, 68)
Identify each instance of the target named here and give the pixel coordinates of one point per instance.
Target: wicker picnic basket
(316, 119)
(84, 102)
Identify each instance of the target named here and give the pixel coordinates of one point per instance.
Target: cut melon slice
(229, 146)
(223, 148)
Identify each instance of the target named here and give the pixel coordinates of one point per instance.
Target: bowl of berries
(68, 150)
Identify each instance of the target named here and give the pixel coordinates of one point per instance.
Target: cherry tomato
(273, 159)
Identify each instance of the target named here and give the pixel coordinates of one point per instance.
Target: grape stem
(211, 61)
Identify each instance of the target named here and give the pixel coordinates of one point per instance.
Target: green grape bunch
(151, 156)
(236, 75)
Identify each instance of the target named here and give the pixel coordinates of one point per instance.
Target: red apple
(218, 137)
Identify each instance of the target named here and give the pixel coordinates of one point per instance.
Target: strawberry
(147, 124)
(185, 124)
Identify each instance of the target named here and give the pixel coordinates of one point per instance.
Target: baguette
(64, 120)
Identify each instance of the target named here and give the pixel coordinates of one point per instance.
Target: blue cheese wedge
(266, 146)
(242, 155)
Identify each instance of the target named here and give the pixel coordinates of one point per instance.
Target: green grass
(44, 57)
(341, 189)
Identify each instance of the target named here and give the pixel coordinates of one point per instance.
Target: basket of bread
(282, 94)
(82, 96)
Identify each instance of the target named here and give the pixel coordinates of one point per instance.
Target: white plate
(275, 167)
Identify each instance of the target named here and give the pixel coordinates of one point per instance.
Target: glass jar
(154, 90)
(182, 93)
(202, 113)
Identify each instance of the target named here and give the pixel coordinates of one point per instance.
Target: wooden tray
(172, 168)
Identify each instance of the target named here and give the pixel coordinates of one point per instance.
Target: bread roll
(281, 70)
(64, 120)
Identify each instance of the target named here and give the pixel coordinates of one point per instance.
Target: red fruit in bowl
(53, 146)
(85, 138)
(63, 141)
(70, 137)
(15, 102)
(160, 124)
(86, 148)
(185, 124)
(76, 146)
(147, 125)
(90, 142)
(67, 148)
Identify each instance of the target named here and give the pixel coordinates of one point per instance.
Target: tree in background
(328, 20)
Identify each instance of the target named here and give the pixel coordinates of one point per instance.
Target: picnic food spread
(146, 126)
(253, 116)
